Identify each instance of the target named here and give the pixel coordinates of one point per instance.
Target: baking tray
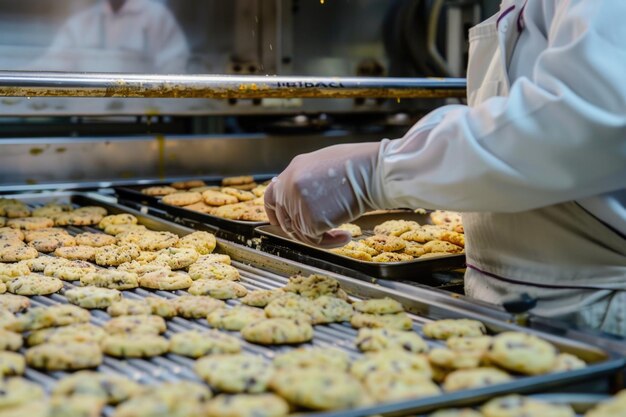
(264, 271)
(180, 215)
(405, 271)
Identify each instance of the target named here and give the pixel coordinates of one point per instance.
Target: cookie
(110, 278)
(414, 249)
(111, 388)
(93, 297)
(79, 333)
(567, 362)
(278, 331)
(395, 227)
(126, 325)
(175, 399)
(11, 364)
(261, 298)
(351, 228)
(203, 242)
(312, 286)
(57, 315)
(373, 340)
(386, 386)
(47, 244)
(95, 240)
(240, 195)
(10, 340)
(124, 218)
(76, 253)
(612, 407)
(118, 229)
(96, 210)
(9, 272)
(40, 263)
(196, 307)
(382, 243)
(220, 289)
(76, 406)
(260, 405)
(77, 218)
(162, 307)
(475, 378)
(398, 321)
(64, 357)
(195, 343)
(10, 234)
(50, 211)
(34, 284)
(134, 345)
(439, 246)
(480, 343)
(15, 392)
(30, 223)
(235, 318)
(389, 257)
(354, 254)
(13, 303)
(116, 255)
(17, 253)
(518, 406)
(322, 358)
(217, 198)
(159, 191)
(259, 190)
(522, 353)
(129, 307)
(455, 238)
(253, 213)
(240, 180)
(205, 270)
(214, 258)
(200, 207)
(163, 279)
(397, 361)
(455, 359)
(423, 234)
(177, 258)
(235, 373)
(291, 306)
(154, 241)
(182, 198)
(141, 269)
(328, 309)
(447, 328)
(70, 270)
(318, 389)
(448, 220)
(384, 305)
(31, 235)
(183, 185)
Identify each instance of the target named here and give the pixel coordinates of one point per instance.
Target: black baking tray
(181, 215)
(405, 271)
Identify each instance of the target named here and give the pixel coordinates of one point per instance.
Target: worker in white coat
(536, 162)
(119, 36)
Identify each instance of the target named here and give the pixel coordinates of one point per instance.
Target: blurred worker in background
(536, 161)
(119, 36)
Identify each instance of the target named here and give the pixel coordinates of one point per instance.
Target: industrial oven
(89, 124)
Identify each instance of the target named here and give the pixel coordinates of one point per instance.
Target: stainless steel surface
(260, 270)
(61, 84)
(111, 159)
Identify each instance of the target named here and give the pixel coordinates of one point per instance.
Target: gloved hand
(321, 190)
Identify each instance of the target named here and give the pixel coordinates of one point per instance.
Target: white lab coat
(143, 36)
(537, 161)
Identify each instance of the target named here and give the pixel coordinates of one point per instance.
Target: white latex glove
(322, 190)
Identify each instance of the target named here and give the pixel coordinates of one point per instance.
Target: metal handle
(65, 84)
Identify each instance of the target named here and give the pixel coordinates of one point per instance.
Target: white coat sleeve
(171, 48)
(557, 137)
